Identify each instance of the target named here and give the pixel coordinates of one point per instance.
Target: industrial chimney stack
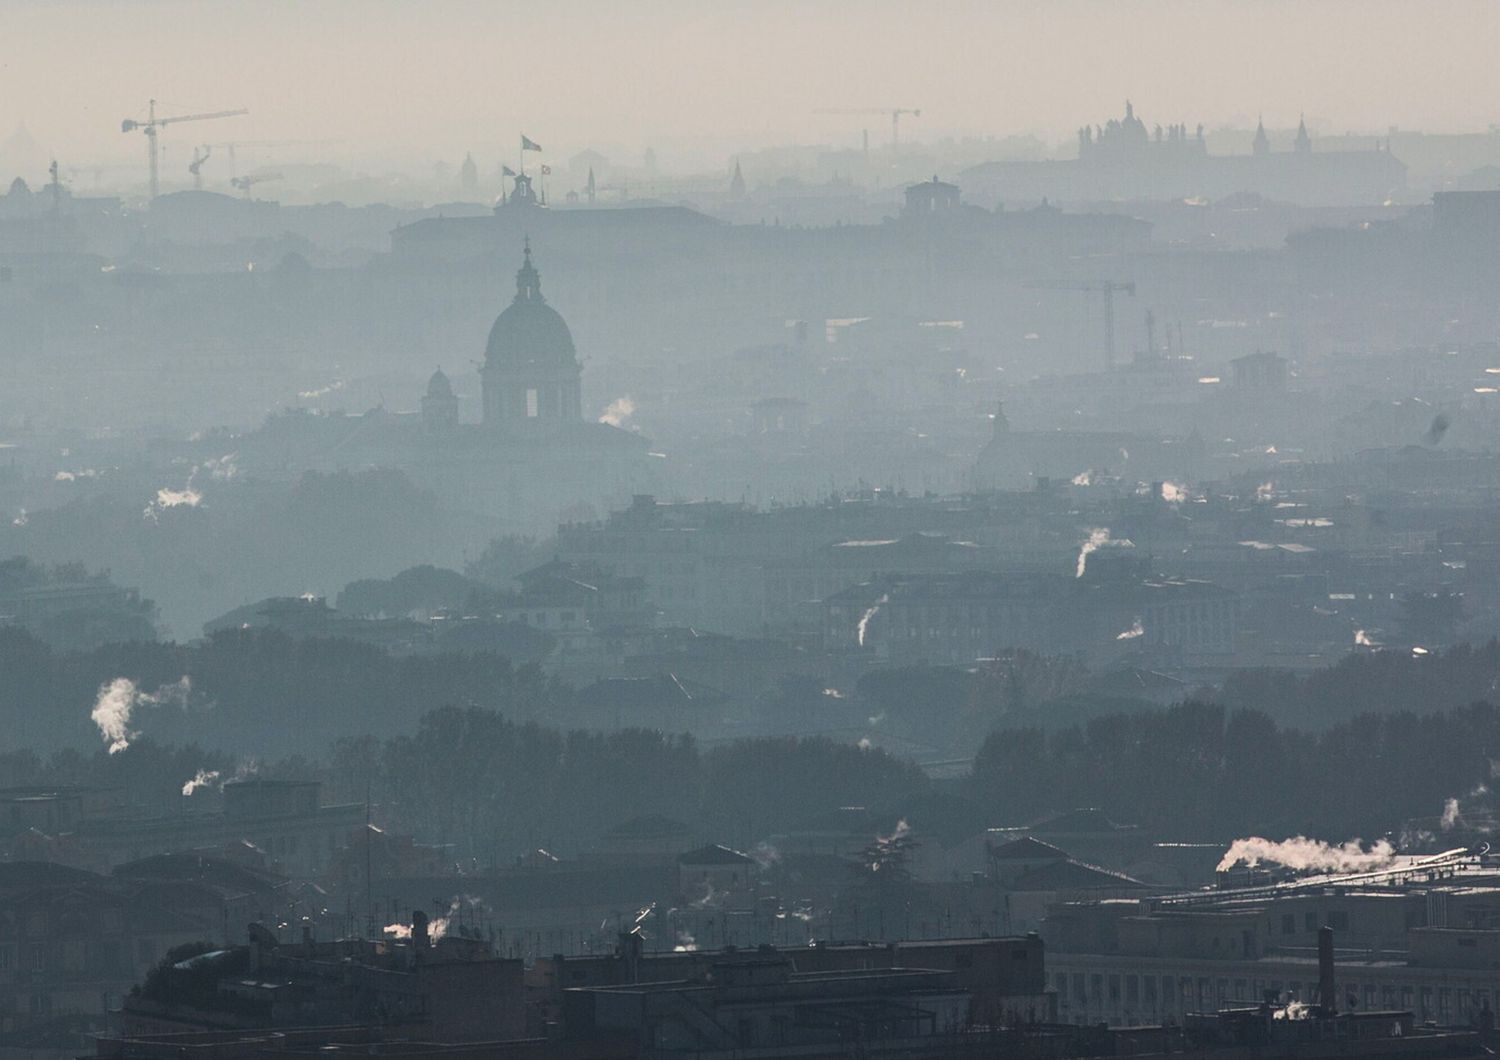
(1327, 996)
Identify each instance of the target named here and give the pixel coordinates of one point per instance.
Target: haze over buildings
(599, 531)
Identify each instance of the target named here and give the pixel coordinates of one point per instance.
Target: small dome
(438, 385)
(530, 333)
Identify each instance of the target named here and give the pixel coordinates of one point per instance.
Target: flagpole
(523, 154)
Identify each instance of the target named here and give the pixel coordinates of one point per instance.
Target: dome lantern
(531, 369)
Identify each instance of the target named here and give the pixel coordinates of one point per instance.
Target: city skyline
(357, 78)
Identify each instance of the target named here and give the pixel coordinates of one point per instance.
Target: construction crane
(230, 146)
(152, 127)
(249, 181)
(195, 167)
(894, 112)
(1109, 288)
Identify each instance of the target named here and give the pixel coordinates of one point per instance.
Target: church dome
(530, 334)
(438, 385)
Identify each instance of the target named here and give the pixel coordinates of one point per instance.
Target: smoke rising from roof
(202, 779)
(618, 411)
(118, 700)
(1097, 537)
(1306, 854)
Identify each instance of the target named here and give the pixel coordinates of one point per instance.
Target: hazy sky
(428, 80)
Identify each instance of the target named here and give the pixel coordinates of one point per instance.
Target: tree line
(1206, 772)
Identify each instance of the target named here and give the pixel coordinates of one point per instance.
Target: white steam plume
(117, 701)
(711, 898)
(1098, 536)
(1303, 853)
(864, 619)
(618, 411)
(1452, 818)
(220, 469)
(166, 497)
(439, 926)
(202, 779)
(112, 711)
(1137, 629)
(322, 391)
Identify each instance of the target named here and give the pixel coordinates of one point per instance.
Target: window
(1338, 920)
(1310, 921)
(532, 405)
(1288, 924)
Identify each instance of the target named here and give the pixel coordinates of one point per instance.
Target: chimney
(419, 937)
(630, 953)
(1327, 998)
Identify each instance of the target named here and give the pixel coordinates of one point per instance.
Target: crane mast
(1109, 288)
(152, 127)
(894, 112)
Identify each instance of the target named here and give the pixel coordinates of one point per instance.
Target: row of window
(1130, 995)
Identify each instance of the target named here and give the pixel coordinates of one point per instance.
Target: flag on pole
(507, 171)
(528, 144)
(546, 170)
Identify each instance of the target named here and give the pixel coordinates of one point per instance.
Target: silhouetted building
(1260, 371)
(439, 405)
(531, 372)
(1124, 160)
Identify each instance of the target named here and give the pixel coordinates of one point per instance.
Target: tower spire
(528, 280)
